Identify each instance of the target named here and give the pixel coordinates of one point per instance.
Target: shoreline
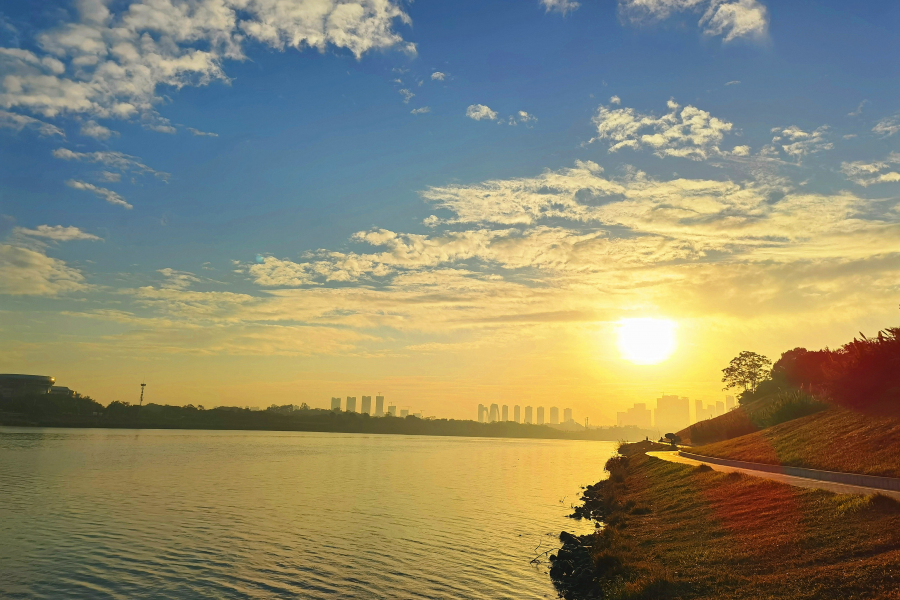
(669, 530)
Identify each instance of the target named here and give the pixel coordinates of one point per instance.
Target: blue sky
(447, 201)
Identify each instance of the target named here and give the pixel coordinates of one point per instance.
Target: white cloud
(115, 160)
(480, 111)
(407, 95)
(108, 195)
(57, 233)
(109, 63)
(93, 129)
(438, 76)
(741, 151)
(109, 176)
(421, 111)
(688, 132)
(560, 6)
(615, 100)
(178, 280)
(887, 126)
(798, 143)
(29, 272)
(858, 110)
(728, 18)
(9, 120)
(735, 82)
(202, 133)
(869, 173)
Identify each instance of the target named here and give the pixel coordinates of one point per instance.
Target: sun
(646, 341)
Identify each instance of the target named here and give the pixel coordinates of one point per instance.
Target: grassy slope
(710, 535)
(836, 439)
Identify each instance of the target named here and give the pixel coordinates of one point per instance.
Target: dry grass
(836, 439)
(710, 535)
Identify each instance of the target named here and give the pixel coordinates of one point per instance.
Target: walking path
(807, 482)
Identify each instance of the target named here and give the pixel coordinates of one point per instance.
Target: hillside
(836, 439)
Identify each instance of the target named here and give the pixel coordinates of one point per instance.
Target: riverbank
(676, 531)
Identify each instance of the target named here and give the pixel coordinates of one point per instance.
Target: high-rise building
(504, 413)
(495, 413)
(729, 402)
(554, 415)
(567, 415)
(404, 412)
(528, 415)
(366, 405)
(481, 413)
(392, 410)
(637, 416)
(379, 406)
(672, 413)
(335, 403)
(351, 403)
(698, 410)
(720, 408)
(517, 414)
(540, 415)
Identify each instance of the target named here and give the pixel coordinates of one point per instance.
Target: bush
(863, 373)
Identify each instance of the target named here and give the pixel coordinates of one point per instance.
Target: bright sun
(646, 341)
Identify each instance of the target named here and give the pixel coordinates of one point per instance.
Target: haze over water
(150, 514)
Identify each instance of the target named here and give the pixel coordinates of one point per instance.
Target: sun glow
(646, 341)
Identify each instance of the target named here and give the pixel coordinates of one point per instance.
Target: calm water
(167, 514)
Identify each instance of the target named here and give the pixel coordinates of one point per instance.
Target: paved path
(838, 488)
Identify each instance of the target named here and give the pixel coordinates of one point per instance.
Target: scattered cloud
(9, 120)
(109, 63)
(859, 109)
(115, 160)
(177, 280)
(869, 173)
(28, 272)
(57, 233)
(438, 76)
(407, 95)
(110, 176)
(480, 112)
(887, 126)
(108, 195)
(730, 19)
(560, 6)
(798, 143)
(93, 129)
(740, 151)
(735, 82)
(202, 133)
(685, 132)
(615, 100)
(421, 111)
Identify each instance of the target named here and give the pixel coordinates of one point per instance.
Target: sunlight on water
(141, 514)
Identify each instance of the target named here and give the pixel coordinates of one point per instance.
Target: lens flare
(646, 341)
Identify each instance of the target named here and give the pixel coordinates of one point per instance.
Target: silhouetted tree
(864, 372)
(746, 370)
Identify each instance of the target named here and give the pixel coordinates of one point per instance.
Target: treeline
(84, 412)
(862, 375)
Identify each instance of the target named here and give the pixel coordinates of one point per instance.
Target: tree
(746, 370)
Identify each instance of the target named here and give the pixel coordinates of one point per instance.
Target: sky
(248, 202)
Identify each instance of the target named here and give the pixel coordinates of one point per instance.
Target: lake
(99, 513)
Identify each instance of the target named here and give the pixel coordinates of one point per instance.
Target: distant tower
(141, 403)
(517, 414)
(335, 403)
(540, 415)
(366, 405)
(351, 404)
(379, 406)
(404, 412)
(567, 415)
(729, 402)
(495, 413)
(554, 415)
(528, 415)
(481, 412)
(505, 413)
(392, 410)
